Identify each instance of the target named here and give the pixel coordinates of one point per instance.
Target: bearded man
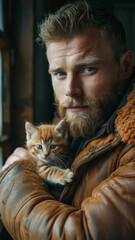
(93, 80)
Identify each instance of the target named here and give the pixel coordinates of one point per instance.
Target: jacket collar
(125, 121)
(111, 125)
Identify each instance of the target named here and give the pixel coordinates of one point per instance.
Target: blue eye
(89, 69)
(60, 74)
(39, 147)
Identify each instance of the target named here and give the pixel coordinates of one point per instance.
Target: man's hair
(75, 17)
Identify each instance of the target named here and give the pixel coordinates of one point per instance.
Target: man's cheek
(58, 94)
(61, 110)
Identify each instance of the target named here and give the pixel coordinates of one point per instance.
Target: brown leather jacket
(98, 204)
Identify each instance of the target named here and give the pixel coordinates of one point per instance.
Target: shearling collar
(125, 121)
(111, 125)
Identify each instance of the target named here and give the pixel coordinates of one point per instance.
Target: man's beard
(87, 123)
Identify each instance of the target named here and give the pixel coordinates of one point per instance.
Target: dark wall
(43, 93)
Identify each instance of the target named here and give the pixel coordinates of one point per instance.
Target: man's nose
(73, 86)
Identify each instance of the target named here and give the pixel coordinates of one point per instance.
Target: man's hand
(19, 153)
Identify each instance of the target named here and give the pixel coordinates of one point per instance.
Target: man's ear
(126, 64)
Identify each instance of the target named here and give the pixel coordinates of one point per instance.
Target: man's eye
(39, 147)
(89, 69)
(60, 74)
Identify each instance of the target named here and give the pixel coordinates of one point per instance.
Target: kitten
(48, 144)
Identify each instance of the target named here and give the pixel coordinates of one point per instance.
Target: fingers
(20, 152)
(17, 155)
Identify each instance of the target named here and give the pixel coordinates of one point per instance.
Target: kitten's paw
(69, 176)
(66, 176)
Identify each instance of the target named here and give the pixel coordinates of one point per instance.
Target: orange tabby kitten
(48, 145)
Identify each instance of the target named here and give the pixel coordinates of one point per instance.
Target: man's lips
(77, 108)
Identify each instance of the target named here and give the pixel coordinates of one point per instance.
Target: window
(1, 93)
(1, 16)
(4, 89)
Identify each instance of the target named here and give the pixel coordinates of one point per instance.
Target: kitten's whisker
(58, 159)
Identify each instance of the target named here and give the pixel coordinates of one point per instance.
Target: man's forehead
(81, 49)
(79, 41)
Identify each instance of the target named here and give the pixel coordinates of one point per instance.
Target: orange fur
(125, 122)
(48, 145)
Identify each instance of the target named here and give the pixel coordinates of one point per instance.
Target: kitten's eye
(53, 146)
(39, 147)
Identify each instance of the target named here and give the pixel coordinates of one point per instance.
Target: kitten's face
(44, 145)
(45, 141)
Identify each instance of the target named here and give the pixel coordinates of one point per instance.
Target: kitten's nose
(46, 155)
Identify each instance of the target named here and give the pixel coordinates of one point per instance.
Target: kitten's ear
(61, 129)
(30, 130)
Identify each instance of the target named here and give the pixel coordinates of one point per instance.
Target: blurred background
(25, 86)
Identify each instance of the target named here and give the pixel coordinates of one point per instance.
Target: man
(92, 77)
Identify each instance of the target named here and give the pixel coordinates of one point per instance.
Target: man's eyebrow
(53, 69)
(88, 60)
(81, 62)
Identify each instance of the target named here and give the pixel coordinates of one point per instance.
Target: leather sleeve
(29, 212)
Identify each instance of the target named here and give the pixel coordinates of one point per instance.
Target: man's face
(85, 79)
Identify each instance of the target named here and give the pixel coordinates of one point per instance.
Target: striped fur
(48, 145)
